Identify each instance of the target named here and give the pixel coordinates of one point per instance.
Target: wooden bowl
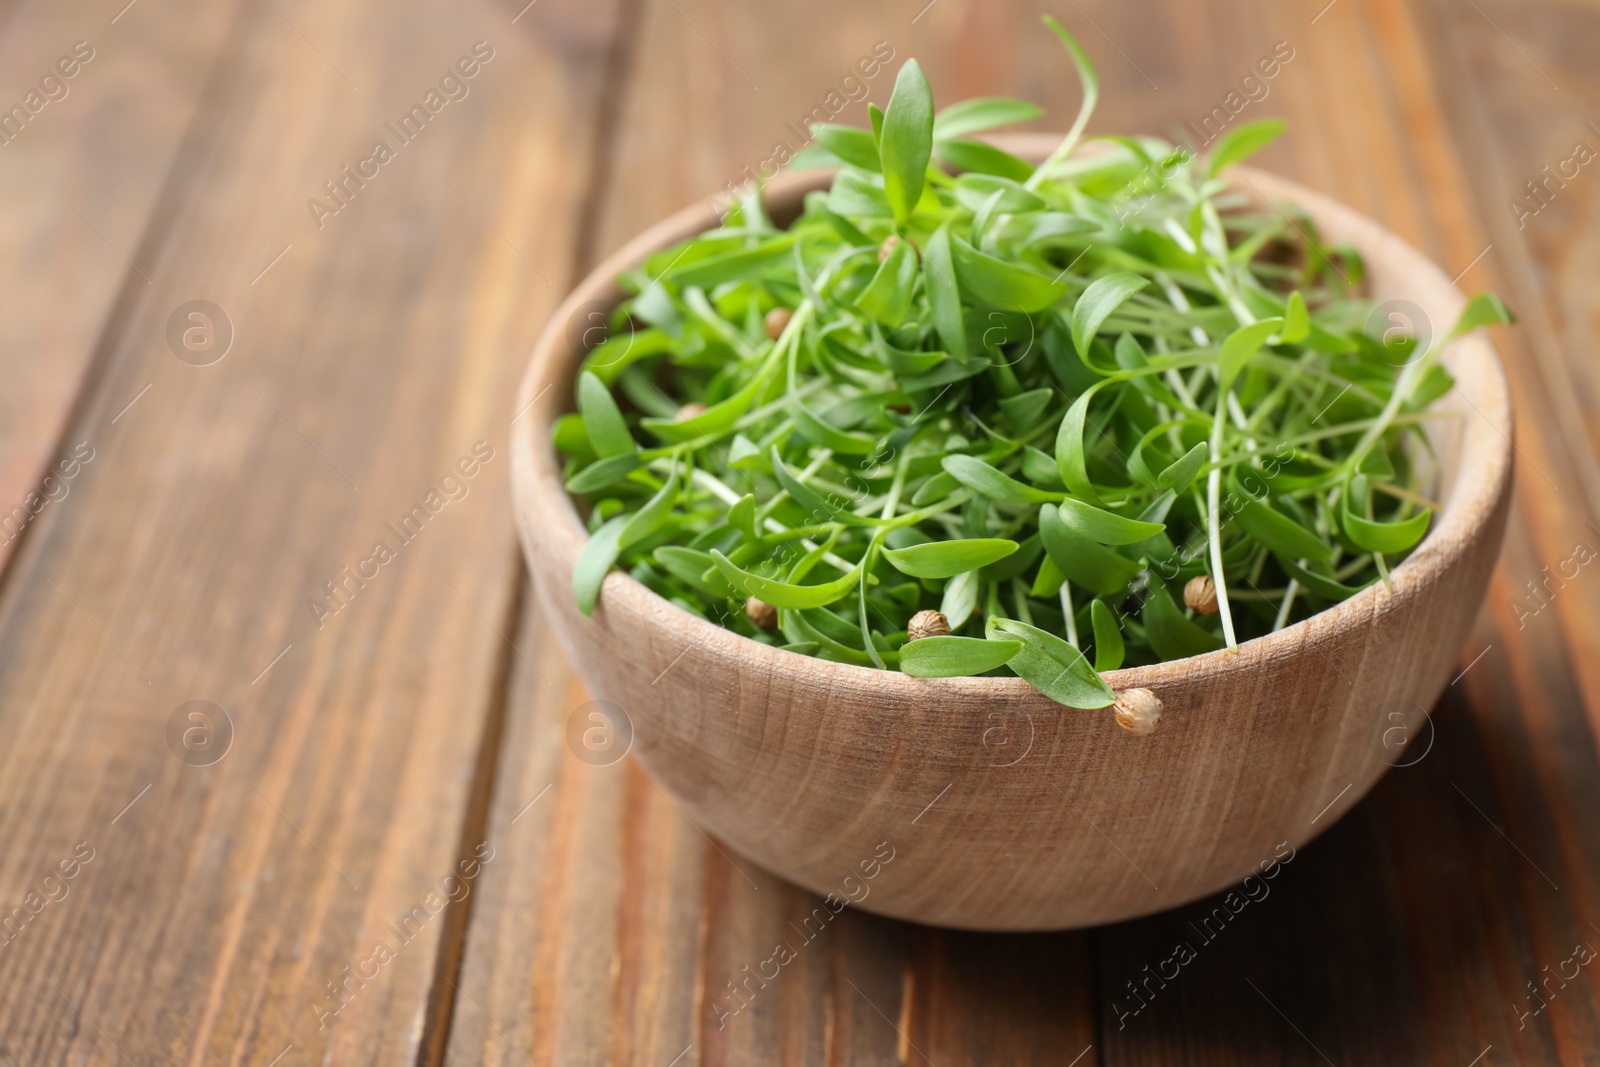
(1002, 810)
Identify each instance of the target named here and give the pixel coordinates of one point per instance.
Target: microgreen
(1039, 400)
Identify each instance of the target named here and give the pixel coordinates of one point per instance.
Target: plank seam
(216, 93)
(440, 1010)
(618, 66)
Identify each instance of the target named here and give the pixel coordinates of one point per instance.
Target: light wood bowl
(1003, 810)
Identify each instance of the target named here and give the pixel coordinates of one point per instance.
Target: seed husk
(929, 623)
(776, 321)
(1200, 594)
(1138, 711)
(764, 615)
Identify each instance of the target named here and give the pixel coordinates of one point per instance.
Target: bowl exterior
(996, 808)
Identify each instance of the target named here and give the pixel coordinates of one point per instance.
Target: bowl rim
(553, 525)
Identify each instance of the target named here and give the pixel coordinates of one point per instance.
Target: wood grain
(223, 901)
(1344, 150)
(206, 923)
(85, 197)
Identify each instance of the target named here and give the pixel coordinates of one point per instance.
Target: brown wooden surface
(426, 716)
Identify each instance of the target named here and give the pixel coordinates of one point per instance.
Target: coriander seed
(928, 623)
(764, 615)
(1138, 711)
(777, 321)
(1201, 595)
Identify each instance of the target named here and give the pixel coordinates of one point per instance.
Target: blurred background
(242, 341)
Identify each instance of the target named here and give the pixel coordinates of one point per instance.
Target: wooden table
(193, 882)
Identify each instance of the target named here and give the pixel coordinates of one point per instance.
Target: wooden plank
(224, 901)
(1406, 934)
(80, 189)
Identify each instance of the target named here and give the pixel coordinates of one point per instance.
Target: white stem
(1288, 602)
(1066, 609)
(1214, 526)
(1176, 298)
(713, 485)
(891, 505)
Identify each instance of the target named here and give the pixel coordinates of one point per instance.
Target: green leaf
(1039, 469)
(732, 266)
(822, 508)
(743, 453)
(907, 140)
(1320, 584)
(946, 559)
(855, 147)
(1049, 580)
(1024, 411)
(976, 190)
(571, 439)
(1070, 460)
(742, 516)
(608, 471)
(904, 363)
(978, 157)
(1108, 646)
(808, 626)
(987, 481)
(717, 419)
(1170, 634)
(948, 371)
(826, 435)
(960, 598)
(1105, 527)
(1088, 78)
(1082, 560)
(1296, 320)
(938, 487)
(1240, 345)
(1178, 476)
(954, 657)
(690, 566)
(1385, 538)
(887, 298)
(1242, 142)
(1013, 565)
(620, 351)
(602, 420)
(594, 561)
(1375, 461)
(856, 193)
(1485, 309)
(1000, 284)
(1103, 296)
(1333, 344)
(648, 519)
(1276, 531)
(1436, 382)
(785, 594)
(1053, 667)
(944, 296)
(982, 113)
